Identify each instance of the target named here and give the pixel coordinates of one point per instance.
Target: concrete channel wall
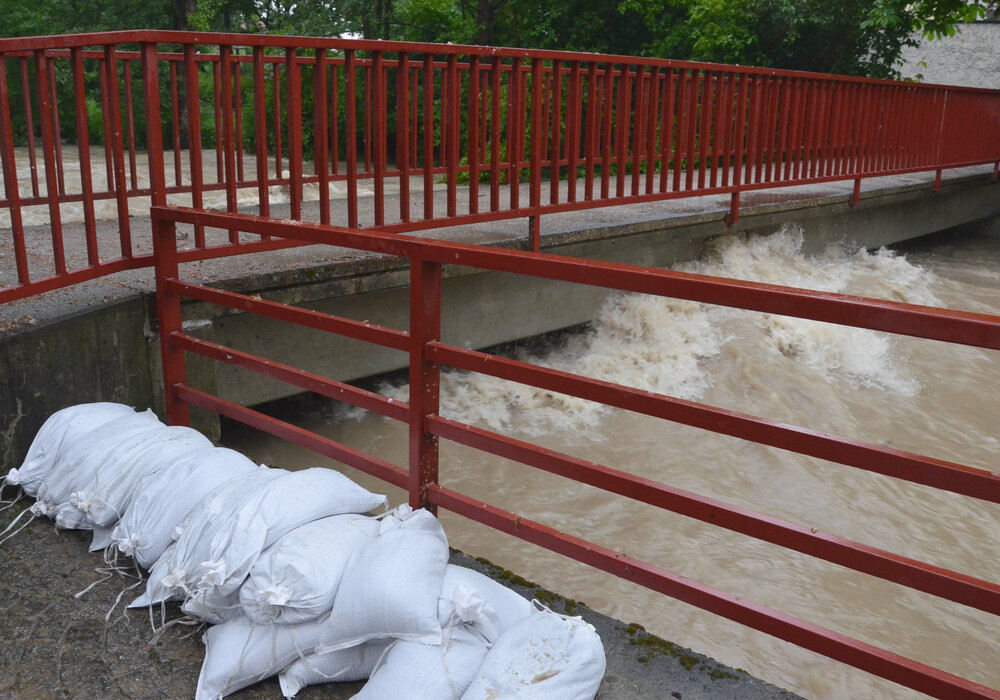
(109, 351)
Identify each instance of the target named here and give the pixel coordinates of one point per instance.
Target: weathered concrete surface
(97, 340)
(55, 646)
(970, 58)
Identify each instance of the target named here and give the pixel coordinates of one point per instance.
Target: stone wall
(970, 58)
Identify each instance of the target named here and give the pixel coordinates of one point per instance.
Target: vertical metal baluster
(351, 137)
(294, 82)
(193, 96)
(83, 150)
(260, 131)
(10, 177)
(320, 165)
(403, 133)
(228, 146)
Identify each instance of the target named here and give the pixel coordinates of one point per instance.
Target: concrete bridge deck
(97, 340)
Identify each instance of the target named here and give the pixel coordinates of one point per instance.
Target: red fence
(443, 134)
(427, 354)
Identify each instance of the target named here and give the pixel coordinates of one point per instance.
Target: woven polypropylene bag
(166, 497)
(66, 426)
(392, 585)
(115, 483)
(239, 653)
(222, 537)
(296, 578)
(343, 665)
(545, 657)
(80, 459)
(508, 607)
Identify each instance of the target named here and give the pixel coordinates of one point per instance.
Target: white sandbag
(296, 578)
(344, 665)
(239, 653)
(80, 459)
(225, 534)
(544, 656)
(114, 485)
(508, 606)
(460, 603)
(412, 671)
(103, 537)
(66, 426)
(212, 525)
(163, 499)
(391, 586)
(444, 670)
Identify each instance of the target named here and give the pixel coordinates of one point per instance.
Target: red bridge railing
(440, 134)
(427, 354)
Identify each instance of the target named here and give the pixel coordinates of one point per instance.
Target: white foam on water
(662, 345)
(858, 356)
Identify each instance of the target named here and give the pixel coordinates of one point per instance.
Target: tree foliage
(863, 37)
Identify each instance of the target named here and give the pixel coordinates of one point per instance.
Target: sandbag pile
(294, 575)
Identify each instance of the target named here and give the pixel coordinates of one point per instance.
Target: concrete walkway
(55, 646)
(260, 270)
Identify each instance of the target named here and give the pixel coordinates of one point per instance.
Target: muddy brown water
(922, 396)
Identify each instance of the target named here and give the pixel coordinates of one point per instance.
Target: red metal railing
(427, 354)
(508, 132)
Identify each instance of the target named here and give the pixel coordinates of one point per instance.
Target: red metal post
(428, 91)
(154, 125)
(228, 145)
(514, 137)
(334, 119)
(403, 134)
(591, 131)
(119, 187)
(294, 81)
(130, 123)
(623, 109)
(238, 108)
(449, 104)
(537, 118)
(320, 164)
(10, 178)
(495, 78)
(351, 137)
(168, 314)
(573, 116)
(425, 378)
(555, 155)
(48, 151)
(653, 111)
(276, 87)
(379, 145)
(30, 127)
(193, 98)
(260, 131)
(472, 150)
(175, 123)
(638, 120)
(60, 170)
(83, 149)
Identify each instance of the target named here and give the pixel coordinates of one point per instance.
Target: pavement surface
(53, 645)
(244, 270)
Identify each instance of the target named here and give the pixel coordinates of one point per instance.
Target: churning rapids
(922, 396)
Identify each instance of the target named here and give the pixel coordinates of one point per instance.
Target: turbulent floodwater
(917, 395)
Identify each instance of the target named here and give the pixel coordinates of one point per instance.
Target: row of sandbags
(295, 577)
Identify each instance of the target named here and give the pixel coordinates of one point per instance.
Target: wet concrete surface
(53, 645)
(557, 229)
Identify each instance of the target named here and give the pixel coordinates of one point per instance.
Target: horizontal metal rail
(533, 132)
(428, 354)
